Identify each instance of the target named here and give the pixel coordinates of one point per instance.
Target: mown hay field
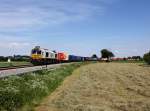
(103, 87)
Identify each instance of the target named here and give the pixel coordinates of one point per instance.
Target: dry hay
(103, 87)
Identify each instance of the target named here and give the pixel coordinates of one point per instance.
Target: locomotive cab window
(33, 51)
(51, 55)
(38, 52)
(47, 54)
(55, 55)
(42, 53)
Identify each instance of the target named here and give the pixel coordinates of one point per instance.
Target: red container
(62, 56)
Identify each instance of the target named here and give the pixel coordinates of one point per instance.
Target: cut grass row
(16, 92)
(103, 87)
(128, 61)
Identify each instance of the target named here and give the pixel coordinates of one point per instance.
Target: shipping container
(61, 56)
(74, 58)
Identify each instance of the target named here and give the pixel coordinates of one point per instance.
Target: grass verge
(16, 92)
(6, 64)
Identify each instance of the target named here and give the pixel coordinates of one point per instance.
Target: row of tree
(105, 53)
(135, 58)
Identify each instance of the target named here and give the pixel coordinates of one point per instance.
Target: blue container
(74, 58)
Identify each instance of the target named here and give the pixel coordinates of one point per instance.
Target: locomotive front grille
(36, 56)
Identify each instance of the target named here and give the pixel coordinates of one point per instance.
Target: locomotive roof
(47, 50)
(43, 49)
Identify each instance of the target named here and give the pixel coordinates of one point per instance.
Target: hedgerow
(147, 58)
(29, 89)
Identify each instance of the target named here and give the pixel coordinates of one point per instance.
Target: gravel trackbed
(102, 87)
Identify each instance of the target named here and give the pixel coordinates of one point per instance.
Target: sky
(80, 27)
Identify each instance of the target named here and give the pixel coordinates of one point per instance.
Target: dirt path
(103, 87)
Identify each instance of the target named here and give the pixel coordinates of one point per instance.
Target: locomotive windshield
(33, 51)
(36, 51)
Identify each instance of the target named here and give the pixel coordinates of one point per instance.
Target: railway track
(14, 67)
(5, 72)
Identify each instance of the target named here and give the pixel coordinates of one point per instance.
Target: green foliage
(15, 58)
(106, 53)
(147, 58)
(18, 91)
(94, 56)
(135, 58)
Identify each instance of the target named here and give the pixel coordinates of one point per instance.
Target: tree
(106, 54)
(94, 56)
(129, 58)
(147, 58)
(136, 57)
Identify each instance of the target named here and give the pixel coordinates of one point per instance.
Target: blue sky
(80, 27)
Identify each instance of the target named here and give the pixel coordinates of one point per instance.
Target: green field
(6, 64)
(27, 90)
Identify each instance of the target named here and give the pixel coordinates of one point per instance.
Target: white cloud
(14, 45)
(33, 13)
(11, 48)
(116, 51)
(8, 41)
(18, 45)
(10, 45)
(20, 18)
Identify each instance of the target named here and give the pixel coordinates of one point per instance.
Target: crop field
(6, 64)
(128, 61)
(102, 87)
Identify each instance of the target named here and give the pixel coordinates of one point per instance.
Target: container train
(41, 56)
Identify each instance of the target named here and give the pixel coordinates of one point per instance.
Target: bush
(147, 58)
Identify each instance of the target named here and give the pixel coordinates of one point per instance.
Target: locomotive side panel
(42, 56)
